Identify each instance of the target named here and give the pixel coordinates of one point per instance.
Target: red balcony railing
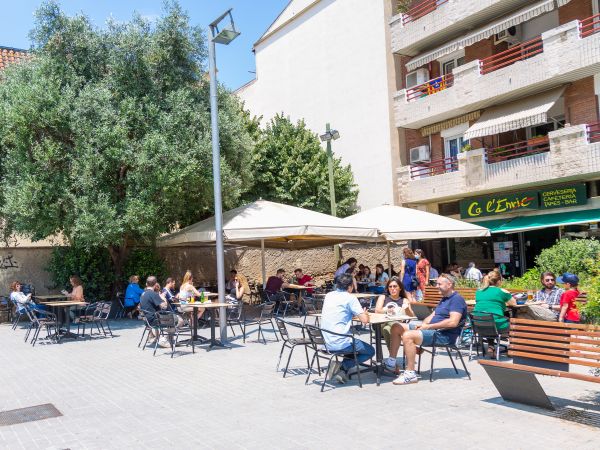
(437, 167)
(512, 55)
(593, 132)
(518, 149)
(429, 87)
(421, 9)
(589, 26)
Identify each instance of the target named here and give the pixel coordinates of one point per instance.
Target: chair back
(266, 311)
(121, 299)
(235, 313)
(103, 309)
(315, 334)
(309, 305)
(166, 319)
(484, 324)
(283, 331)
(145, 315)
(420, 310)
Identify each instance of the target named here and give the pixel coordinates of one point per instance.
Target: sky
(235, 62)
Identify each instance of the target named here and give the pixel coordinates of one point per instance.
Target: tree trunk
(118, 254)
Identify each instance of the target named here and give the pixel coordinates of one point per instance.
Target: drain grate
(29, 414)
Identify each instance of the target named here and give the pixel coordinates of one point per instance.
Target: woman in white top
(187, 291)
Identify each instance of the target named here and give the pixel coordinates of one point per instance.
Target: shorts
(440, 338)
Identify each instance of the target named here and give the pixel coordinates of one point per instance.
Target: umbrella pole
(264, 269)
(389, 259)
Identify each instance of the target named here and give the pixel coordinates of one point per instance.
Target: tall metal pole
(216, 159)
(336, 248)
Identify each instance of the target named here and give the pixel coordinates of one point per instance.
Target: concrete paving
(113, 395)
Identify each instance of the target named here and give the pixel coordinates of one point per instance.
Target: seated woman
(239, 289)
(76, 295)
(492, 299)
(381, 279)
(395, 300)
(22, 301)
(188, 291)
(132, 296)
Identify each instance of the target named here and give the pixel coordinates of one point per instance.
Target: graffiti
(7, 262)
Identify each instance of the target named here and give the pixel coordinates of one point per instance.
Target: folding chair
(291, 343)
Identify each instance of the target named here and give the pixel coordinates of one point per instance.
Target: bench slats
(541, 370)
(578, 362)
(544, 329)
(553, 351)
(548, 337)
(588, 348)
(545, 324)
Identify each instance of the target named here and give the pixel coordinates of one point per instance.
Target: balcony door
(452, 146)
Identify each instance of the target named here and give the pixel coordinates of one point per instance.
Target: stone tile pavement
(115, 396)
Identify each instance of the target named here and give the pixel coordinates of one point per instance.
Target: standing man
(339, 308)
(473, 273)
(444, 323)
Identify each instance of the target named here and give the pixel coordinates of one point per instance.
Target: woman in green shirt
(491, 298)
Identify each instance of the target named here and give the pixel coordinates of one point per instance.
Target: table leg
(194, 324)
(378, 353)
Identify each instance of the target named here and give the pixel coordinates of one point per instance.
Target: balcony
(432, 168)
(429, 87)
(568, 154)
(432, 22)
(565, 55)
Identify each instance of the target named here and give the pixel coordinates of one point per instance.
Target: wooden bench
(543, 348)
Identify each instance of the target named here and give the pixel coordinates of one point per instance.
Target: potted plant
(466, 148)
(403, 6)
(537, 140)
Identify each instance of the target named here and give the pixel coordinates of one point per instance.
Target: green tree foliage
(105, 133)
(92, 265)
(579, 256)
(145, 262)
(289, 166)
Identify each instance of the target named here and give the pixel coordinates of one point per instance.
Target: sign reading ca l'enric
(560, 197)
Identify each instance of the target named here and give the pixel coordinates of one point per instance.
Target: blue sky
(235, 62)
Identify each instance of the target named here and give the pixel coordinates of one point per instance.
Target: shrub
(145, 262)
(530, 280)
(93, 266)
(579, 256)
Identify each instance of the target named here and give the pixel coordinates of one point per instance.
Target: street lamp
(328, 136)
(223, 36)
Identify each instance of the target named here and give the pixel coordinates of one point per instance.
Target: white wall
(331, 65)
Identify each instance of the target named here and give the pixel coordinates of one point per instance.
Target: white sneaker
(164, 343)
(390, 363)
(333, 369)
(341, 377)
(407, 377)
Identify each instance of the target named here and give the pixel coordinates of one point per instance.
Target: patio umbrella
(396, 223)
(268, 224)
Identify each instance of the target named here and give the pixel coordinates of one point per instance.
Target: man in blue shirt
(338, 310)
(444, 323)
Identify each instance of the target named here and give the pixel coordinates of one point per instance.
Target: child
(568, 308)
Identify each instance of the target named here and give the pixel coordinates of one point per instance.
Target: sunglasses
(549, 279)
(394, 286)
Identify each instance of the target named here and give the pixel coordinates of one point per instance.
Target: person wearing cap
(568, 308)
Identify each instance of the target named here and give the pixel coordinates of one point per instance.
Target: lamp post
(328, 136)
(224, 36)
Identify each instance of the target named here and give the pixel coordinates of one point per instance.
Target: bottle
(192, 299)
(202, 299)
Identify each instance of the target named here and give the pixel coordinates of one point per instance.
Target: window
(556, 123)
(452, 145)
(448, 64)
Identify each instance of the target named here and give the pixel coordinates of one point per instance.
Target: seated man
(274, 285)
(549, 299)
(339, 308)
(151, 302)
(445, 323)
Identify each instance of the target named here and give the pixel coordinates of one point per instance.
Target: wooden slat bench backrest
(432, 295)
(556, 342)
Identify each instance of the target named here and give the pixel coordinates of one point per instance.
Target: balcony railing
(589, 26)
(429, 87)
(518, 149)
(437, 167)
(421, 9)
(593, 132)
(512, 55)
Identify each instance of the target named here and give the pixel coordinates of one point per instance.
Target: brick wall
(437, 147)
(581, 103)
(483, 49)
(575, 9)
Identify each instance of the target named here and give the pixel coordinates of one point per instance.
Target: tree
(289, 166)
(105, 133)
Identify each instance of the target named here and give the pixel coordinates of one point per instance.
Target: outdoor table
(377, 320)
(49, 298)
(67, 317)
(208, 306)
(512, 311)
(300, 289)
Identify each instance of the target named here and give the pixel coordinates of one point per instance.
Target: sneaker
(333, 369)
(164, 343)
(407, 377)
(390, 363)
(341, 377)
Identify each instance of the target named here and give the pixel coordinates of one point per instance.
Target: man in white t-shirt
(473, 273)
(338, 310)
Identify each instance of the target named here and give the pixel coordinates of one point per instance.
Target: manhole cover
(29, 414)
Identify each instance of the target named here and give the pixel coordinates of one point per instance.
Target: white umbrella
(396, 223)
(273, 225)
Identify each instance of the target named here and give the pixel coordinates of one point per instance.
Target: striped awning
(526, 112)
(450, 123)
(495, 27)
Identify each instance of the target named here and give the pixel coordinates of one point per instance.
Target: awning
(521, 113)
(526, 223)
(522, 15)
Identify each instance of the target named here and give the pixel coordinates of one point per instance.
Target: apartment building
(497, 115)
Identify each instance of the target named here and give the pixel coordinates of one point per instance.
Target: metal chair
(167, 327)
(100, 318)
(235, 317)
(434, 347)
(86, 316)
(19, 312)
(484, 326)
(321, 352)
(266, 317)
(309, 305)
(148, 327)
(49, 321)
(291, 343)
(120, 314)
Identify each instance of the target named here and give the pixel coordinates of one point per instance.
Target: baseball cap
(568, 277)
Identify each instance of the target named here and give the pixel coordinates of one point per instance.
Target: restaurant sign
(565, 196)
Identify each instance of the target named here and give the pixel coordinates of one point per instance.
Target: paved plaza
(113, 395)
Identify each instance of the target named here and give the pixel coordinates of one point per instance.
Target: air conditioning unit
(420, 154)
(511, 35)
(417, 77)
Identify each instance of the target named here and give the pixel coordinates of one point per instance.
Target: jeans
(364, 352)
